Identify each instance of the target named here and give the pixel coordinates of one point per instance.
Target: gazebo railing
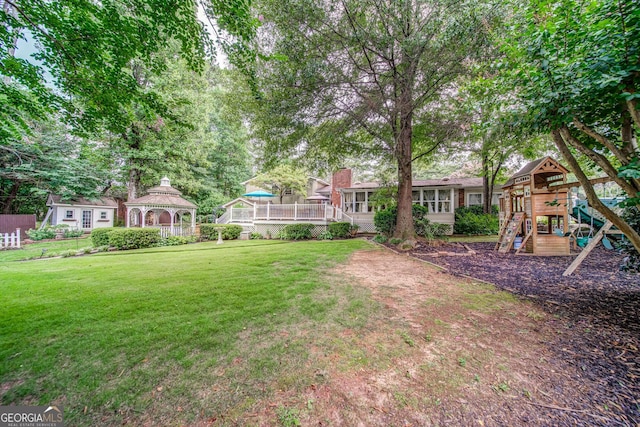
(176, 230)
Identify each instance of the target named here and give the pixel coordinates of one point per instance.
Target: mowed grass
(153, 336)
(51, 248)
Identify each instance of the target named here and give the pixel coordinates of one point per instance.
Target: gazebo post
(128, 217)
(171, 222)
(193, 221)
(143, 215)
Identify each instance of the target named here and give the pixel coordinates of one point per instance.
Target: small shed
(81, 213)
(533, 214)
(163, 207)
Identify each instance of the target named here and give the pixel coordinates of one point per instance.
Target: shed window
(103, 215)
(68, 214)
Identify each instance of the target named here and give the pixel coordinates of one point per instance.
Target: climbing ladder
(509, 232)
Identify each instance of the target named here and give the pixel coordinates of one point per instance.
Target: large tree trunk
(133, 184)
(404, 225)
(592, 197)
(486, 187)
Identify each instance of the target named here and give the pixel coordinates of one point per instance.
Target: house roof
(444, 182)
(107, 202)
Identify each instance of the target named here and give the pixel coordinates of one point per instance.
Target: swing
(584, 241)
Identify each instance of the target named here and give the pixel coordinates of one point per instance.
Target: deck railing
(273, 212)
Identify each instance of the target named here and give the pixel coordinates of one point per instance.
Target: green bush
(325, 235)
(343, 230)
(385, 222)
(45, 233)
(255, 236)
(228, 231)
(72, 232)
(379, 238)
(176, 240)
(471, 221)
(134, 238)
(100, 236)
(631, 261)
(300, 231)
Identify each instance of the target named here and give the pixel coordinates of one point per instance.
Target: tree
(575, 68)
(281, 179)
(50, 160)
(365, 76)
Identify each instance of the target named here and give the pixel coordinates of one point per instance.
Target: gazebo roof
(163, 195)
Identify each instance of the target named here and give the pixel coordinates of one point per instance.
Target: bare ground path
(441, 350)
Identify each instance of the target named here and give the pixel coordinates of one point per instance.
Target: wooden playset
(533, 213)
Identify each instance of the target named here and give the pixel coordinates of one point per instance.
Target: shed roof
(107, 202)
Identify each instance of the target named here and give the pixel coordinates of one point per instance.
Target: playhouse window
(547, 224)
(68, 214)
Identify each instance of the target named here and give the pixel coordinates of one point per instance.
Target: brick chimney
(340, 179)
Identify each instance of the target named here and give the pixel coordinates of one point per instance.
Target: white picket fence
(10, 241)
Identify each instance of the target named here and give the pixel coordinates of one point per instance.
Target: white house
(82, 213)
(440, 196)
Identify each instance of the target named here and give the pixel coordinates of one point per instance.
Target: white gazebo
(162, 201)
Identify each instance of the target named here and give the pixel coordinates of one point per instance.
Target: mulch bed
(598, 307)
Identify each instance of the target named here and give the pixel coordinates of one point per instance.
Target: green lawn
(111, 335)
(54, 247)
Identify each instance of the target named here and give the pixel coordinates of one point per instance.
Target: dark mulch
(599, 307)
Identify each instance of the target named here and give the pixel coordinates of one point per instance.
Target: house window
(361, 201)
(68, 214)
(348, 202)
(437, 201)
(287, 192)
(103, 215)
(444, 201)
(474, 199)
(415, 197)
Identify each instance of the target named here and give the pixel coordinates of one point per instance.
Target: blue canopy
(259, 193)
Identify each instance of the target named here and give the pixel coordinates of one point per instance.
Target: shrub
(134, 238)
(385, 222)
(379, 238)
(343, 230)
(631, 261)
(228, 231)
(71, 232)
(325, 235)
(176, 240)
(255, 236)
(45, 233)
(300, 231)
(470, 220)
(100, 236)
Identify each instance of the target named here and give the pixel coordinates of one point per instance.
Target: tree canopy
(575, 66)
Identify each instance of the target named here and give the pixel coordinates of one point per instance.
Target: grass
(174, 332)
(54, 247)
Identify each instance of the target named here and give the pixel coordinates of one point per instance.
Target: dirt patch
(440, 350)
